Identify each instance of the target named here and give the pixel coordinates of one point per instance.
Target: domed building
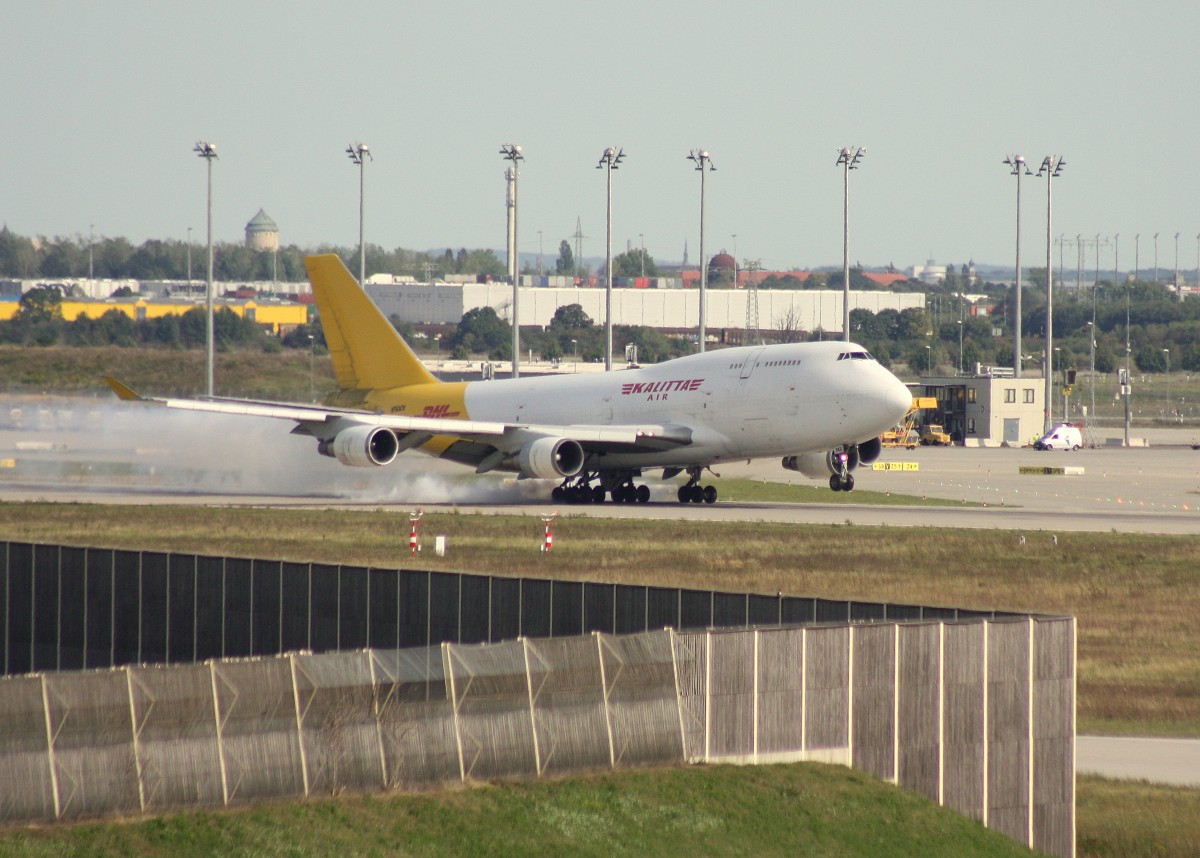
(262, 232)
(722, 271)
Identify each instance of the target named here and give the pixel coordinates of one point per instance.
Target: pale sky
(102, 103)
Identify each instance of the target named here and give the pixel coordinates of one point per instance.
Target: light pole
(848, 158)
(513, 155)
(208, 152)
(960, 342)
(359, 154)
(1127, 387)
(1052, 166)
(1176, 281)
(575, 349)
(642, 241)
(928, 361)
(1017, 162)
(1167, 352)
(1116, 258)
(1137, 257)
(704, 165)
(1065, 416)
(1156, 257)
(1091, 326)
(610, 160)
(539, 253)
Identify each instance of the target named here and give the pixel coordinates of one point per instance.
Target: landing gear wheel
(710, 494)
(697, 494)
(558, 495)
(835, 482)
(848, 483)
(597, 494)
(643, 494)
(685, 494)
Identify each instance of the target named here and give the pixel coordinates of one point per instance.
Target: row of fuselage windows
(791, 362)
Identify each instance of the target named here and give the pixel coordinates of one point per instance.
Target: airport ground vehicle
(933, 435)
(1064, 436)
(904, 433)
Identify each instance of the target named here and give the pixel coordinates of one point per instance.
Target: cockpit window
(855, 356)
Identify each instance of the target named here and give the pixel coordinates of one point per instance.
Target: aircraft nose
(898, 398)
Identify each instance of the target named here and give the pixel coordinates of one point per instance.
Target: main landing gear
(621, 487)
(693, 492)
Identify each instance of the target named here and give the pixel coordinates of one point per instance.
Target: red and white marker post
(414, 541)
(548, 539)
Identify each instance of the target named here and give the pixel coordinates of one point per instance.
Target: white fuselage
(739, 403)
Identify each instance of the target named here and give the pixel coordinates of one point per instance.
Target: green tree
(570, 317)
(565, 264)
(482, 331)
(17, 256)
(633, 263)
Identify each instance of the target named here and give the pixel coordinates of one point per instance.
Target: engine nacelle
(868, 451)
(550, 458)
(818, 466)
(362, 446)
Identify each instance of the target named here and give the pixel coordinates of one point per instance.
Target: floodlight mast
(512, 153)
(359, 154)
(1052, 166)
(848, 158)
(704, 165)
(610, 160)
(208, 152)
(1019, 168)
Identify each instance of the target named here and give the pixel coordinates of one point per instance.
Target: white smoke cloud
(96, 444)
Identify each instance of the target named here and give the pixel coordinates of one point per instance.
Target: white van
(1064, 436)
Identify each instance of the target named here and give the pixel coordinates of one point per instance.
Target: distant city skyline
(112, 98)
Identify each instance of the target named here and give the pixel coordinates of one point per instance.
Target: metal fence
(978, 716)
(70, 608)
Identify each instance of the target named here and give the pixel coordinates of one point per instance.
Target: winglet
(122, 391)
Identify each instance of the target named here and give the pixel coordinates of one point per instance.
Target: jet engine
(817, 466)
(362, 446)
(551, 458)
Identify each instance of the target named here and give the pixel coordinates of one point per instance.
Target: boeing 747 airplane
(820, 407)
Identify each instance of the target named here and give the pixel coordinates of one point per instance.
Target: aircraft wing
(321, 421)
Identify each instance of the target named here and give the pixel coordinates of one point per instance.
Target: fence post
(896, 705)
(137, 751)
(50, 750)
(212, 671)
(683, 748)
(804, 690)
(299, 723)
(707, 694)
(612, 754)
(448, 660)
(850, 696)
(941, 713)
(754, 698)
(378, 710)
(985, 627)
(1029, 726)
(537, 750)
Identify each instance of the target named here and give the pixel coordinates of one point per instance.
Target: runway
(100, 452)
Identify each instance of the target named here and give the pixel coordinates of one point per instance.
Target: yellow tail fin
(367, 352)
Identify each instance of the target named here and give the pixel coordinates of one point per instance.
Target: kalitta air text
(654, 390)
